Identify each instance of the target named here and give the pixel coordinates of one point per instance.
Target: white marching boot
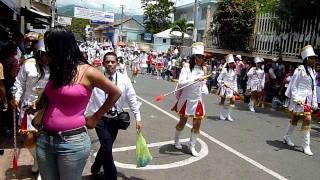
(306, 143)
(192, 145)
(229, 118)
(251, 106)
(35, 168)
(222, 114)
(177, 144)
(286, 138)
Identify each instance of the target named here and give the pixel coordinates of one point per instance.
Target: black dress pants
(107, 132)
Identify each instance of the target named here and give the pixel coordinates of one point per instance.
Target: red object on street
(237, 97)
(15, 162)
(159, 98)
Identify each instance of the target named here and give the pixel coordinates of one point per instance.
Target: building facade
(24, 16)
(187, 12)
(131, 29)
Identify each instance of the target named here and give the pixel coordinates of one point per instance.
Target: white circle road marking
(228, 148)
(203, 152)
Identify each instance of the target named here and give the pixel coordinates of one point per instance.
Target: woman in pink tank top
(64, 144)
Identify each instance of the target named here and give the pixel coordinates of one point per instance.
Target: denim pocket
(78, 138)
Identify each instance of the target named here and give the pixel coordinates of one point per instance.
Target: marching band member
(159, 65)
(303, 98)
(33, 74)
(256, 81)
(135, 66)
(189, 103)
(227, 82)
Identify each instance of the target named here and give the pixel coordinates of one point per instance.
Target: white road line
(203, 153)
(149, 145)
(230, 149)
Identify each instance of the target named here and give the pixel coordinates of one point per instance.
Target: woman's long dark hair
(192, 62)
(64, 55)
(305, 64)
(39, 63)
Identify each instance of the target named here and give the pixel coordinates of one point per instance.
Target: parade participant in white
(256, 82)
(135, 66)
(227, 82)
(107, 128)
(32, 76)
(303, 98)
(189, 103)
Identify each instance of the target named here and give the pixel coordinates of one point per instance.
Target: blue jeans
(62, 157)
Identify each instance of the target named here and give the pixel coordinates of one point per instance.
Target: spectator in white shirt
(106, 128)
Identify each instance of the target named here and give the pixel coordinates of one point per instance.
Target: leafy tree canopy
(234, 20)
(78, 25)
(157, 14)
(183, 26)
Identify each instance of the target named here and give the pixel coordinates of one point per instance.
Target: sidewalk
(25, 160)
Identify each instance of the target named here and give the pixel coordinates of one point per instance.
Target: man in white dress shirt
(106, 128)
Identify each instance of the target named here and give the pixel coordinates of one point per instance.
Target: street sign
(147, 36)
(92, 14)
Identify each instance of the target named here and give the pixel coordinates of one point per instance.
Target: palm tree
(183, 26)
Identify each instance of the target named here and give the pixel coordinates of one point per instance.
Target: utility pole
(53, 12)
(121, 33)
(195, 20)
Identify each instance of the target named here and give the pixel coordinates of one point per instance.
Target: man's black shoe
(95, 169)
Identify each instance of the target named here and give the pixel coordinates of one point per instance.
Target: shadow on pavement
(124, 177)
(281, 146)
(213, 118)
(171, 150)
(23, 172)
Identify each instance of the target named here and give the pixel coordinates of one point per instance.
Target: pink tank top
(66, 107)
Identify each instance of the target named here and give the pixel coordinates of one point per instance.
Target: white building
(187, 11)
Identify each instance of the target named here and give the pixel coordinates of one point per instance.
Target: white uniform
(189, 99)
(302, 88)
(27, 82)
(256, 79)
(227, 82)
(135, 63)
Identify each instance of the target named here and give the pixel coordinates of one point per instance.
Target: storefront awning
(39, 12)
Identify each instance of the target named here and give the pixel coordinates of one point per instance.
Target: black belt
(67, 133)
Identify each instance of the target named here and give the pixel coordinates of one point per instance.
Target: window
(164, 41)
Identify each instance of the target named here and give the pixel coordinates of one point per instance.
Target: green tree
(234, 23)
(157, 15)
(78, 25)
(183, 26)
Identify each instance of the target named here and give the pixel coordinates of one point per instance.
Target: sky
(133, 6)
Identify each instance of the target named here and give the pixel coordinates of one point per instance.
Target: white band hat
(258, 60)
(308, 51)
(229, 59)
(239, 57)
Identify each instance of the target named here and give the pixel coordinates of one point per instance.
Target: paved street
(249, 148)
